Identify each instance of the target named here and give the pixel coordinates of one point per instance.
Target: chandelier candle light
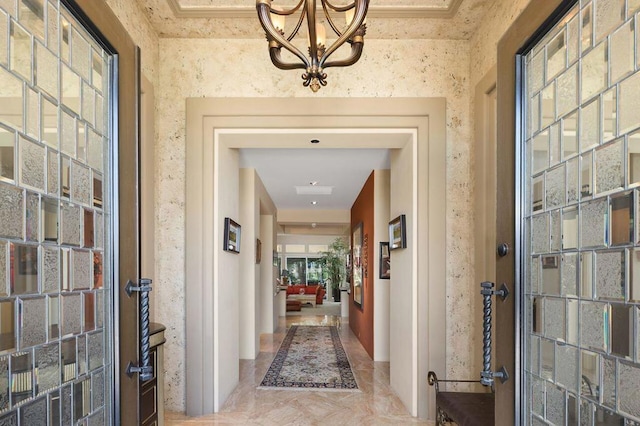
(273, 18)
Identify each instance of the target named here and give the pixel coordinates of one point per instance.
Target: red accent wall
(361, 318)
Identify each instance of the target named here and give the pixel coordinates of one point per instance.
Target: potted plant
(334, 262)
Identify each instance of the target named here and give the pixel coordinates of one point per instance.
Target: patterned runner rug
(311, 357)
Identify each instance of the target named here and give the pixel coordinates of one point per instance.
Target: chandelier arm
(311, 23)
(358, 19)
(329, 19)
(287, 12)
(298, 25)
(276, 59)
(356, 53)
(273, 34)
(339, 8)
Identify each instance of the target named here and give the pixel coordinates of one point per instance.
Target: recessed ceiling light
(315, 141)
(314, 203)
(313, 183)
(313, 225)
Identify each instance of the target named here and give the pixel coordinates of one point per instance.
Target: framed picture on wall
(231, 235)
(385, 261)
(398, 233)
(357, 258)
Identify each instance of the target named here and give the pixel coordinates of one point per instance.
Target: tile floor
(375, 405)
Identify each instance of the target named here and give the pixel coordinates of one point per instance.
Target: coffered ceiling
(387, 19)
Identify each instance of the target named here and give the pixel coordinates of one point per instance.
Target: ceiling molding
(374, 11)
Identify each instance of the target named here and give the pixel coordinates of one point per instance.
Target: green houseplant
(334, 264)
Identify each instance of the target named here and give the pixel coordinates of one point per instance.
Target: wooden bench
(463, 408)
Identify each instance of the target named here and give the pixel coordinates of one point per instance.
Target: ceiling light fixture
(313, 183)
(273, 22)
(314, 203)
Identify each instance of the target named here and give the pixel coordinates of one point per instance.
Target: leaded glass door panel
(580, 210)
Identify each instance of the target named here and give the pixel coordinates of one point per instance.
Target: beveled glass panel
(573, 38)
(594, 72)
(534, 355)
(94, 150)
(569, 274)
(629, 383)
(586, 176)
(634, 271)
(69, 134)
(592, 325)
(7, 330)
(537, 396)
(541, 152)
(89, 301)
(556, 231)
(4, 382)
(555, 317)
(82, 277)
(11, 215)
(534, 116)
(629, 103)
(48, 365)
(88, 103)
(65, 177)
(32, 217)
(536, 73)
(622, 219)
(33, 326)
(4, 39)
(54, 317)
(89, 233)
(97, 190)
(610, 275)
(609, 382)
(3, 268)
(24, 269)
(537, 315)
(50, 220)
(593, 223)
(547, 359)
(66, 404)
(567, 91)
(65, 266)
(12, 96)
(609, 115)
(34, 413)
(608, 15)
(71, 314)
(33, 114)
(99, 227)
(80, 183)
(81, 398)
(573, 182)
(52, 27)
(587, 412)
(82, 142)
(46, 70)
(556, 405)
(587, 27)
(570, 135)
(556, 187)
(622, 330)
(609, 167)
(572, 409)
(54, 408)
(621, 52)
(32, 16)
(100, 306)
(96, 350)
(586, 275)
(21, 376)
(590, 373)
(633, 152)
(551, 274)
(97, 71)
(65, 39)
(556, 55)
(70, 224)
(97, 390)
(540, 233)
(555, 149)
(53, 171)
(101, 117)
(20, 51)
(68, 358)
(590, 125)
(573, 322)
(7, 153)
(70, 88)
(548, 95)
(32, 164)
(82, 354)
(80, 54)
(49, 123)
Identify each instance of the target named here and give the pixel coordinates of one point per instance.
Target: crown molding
(374, 11)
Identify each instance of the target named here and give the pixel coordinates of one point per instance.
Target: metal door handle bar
(145, 369)
(487, 376)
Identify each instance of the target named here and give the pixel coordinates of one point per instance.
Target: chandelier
(273, 22)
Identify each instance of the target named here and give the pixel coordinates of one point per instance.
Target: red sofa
(308, 289)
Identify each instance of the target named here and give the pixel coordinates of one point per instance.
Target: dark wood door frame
(99, 19)
(532, 23)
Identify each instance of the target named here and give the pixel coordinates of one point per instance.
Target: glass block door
(581, 207)
(55, 235)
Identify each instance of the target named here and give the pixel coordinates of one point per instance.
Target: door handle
(144, 368)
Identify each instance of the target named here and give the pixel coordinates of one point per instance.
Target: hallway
(376, 404)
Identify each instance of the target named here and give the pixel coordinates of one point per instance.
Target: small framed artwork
(258, 251)
(385, 261)
(231, 236)
(398, 233)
